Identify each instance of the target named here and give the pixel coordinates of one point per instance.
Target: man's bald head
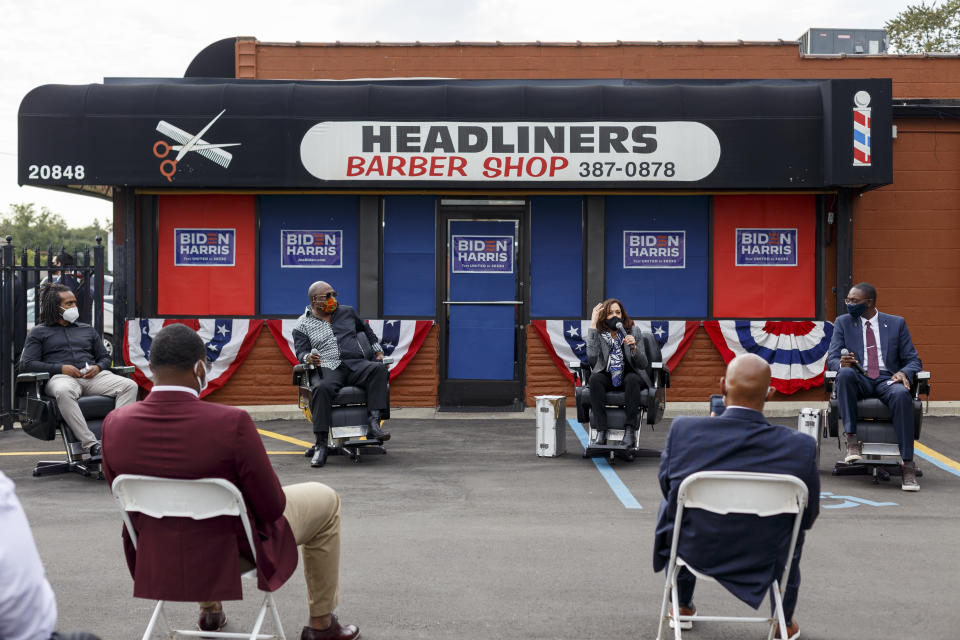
(747, 382)
(318, 287)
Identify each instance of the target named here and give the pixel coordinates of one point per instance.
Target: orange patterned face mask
(328, 301)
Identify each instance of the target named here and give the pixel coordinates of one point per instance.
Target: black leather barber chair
(350, 414)
(881, 454)
(652, 404)
(40, 417)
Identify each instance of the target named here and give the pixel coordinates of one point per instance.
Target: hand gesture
(631, 341)
(70, 370)
(314, 359)
(92, 372)
(899, 376)
(848, 360)
(595, 316)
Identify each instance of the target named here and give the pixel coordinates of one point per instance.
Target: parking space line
(31, 453)
(947, 464)
(280, 436)
(613, 480)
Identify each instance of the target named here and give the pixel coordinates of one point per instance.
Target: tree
(922, 28)
(46, 229)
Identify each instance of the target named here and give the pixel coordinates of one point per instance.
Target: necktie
(873, 363)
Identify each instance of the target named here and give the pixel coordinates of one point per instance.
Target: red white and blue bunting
(228, 341)
(564, 339)
(400, 339)
(796, 351)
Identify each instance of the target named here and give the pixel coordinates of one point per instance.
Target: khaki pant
(313, 511)
(66, 390)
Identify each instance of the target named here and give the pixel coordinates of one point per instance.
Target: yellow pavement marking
(936, 454)
(30, 453)
(280, 436)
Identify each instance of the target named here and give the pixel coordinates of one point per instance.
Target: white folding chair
(198, 499)
(725, 492)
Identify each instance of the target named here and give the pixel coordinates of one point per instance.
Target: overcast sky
(83, 41)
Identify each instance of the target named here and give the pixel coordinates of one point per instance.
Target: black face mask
(856, 310)
(612, 322)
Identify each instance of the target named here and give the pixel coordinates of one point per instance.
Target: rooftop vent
(849, 41)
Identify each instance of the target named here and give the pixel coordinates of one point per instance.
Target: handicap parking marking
(603, 466)
(935, 457)
(851, 501)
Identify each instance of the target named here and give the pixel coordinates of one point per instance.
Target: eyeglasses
(320, 297)
(855, 300)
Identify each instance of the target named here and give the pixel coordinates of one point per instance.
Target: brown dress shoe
(793, 631)
(684, 611)
(211, 620)
(335, 631)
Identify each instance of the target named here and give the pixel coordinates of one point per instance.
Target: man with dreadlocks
(326, 337)
(73, 354)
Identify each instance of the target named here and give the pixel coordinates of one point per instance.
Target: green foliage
(45, 229)
(922, 28)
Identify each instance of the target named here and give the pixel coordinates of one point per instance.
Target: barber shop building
(478, 210)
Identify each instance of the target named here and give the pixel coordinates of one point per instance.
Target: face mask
(201, 381)
(70, 315)
(612, 322)
(329, 305)
(856, 310)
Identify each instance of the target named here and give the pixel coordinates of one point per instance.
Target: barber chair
(652, 404)
(40, 417)
(881, 454)
(350, 414)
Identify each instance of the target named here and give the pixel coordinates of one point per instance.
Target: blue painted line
(936, 462)
(613, 480)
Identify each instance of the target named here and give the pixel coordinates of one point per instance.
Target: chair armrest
(123, 371)
(923, 385)
(829, 377)
(656, 365)
(33, 376)
(579, 370)
(387, 360)
(300, 371)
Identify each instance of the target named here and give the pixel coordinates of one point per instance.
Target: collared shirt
(875, 328)
(174, 387)
(28, 608)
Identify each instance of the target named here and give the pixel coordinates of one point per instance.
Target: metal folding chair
(198, 499)
(726, 492)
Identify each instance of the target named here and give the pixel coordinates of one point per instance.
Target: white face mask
(70, 315)
(201, 381)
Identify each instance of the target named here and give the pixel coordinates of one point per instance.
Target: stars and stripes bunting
(565, 339)
(796, 350)
(228, 342)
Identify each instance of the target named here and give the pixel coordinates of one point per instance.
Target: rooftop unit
(848, 41)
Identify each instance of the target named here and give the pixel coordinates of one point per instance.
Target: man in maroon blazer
(173, 434)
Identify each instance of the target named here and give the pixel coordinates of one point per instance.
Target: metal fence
(20, 281)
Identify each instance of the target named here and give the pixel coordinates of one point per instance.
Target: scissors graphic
(188, 143)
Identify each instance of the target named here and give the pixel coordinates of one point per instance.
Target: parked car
(107, 311)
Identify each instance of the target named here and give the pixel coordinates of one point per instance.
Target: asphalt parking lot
(462, 532)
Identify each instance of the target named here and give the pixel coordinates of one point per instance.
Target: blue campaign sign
(766, 248)
(654, 249)
(205, 247)
(482, 254)
(305, 249)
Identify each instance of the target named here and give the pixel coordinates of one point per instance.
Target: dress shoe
(684, 611)
(628, 430)
(909, 478)
(319, 457)
(793, 631)
(375, 431)
(309, 452)
(94, 450)
(335, 631)
(854, 450)
(211, 620)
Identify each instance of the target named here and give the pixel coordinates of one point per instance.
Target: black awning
(622, 134)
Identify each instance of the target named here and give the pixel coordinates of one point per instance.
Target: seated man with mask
(73, 354)
(326, 337)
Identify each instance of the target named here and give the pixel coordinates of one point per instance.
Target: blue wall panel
(658, 292)
(283, 290)
(556, 257)
(409, 256)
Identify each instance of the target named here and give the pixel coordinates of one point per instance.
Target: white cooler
(551, 426)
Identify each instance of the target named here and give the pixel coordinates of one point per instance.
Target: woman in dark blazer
(618, 362)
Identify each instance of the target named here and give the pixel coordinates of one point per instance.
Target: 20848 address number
(56, 172)
(629, 169)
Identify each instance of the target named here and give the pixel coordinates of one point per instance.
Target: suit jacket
(730, 548)
(598, 353)
(172, 434)
(896, 345)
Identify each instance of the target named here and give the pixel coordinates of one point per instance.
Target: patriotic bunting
(564, 339)
(796, 351)
(228, 342)
(400, 339)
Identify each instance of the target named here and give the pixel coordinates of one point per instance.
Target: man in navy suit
(881, 363)
(732, 548)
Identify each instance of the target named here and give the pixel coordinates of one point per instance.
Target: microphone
(856, 365)
(623, 334)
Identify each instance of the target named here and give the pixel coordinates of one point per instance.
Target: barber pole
(861, 129)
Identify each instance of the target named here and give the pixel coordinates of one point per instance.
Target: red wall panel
(764, 291)
(206, 290)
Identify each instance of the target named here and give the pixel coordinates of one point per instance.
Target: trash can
(551, 426)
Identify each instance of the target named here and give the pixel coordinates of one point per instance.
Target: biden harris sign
(654, 249)
(301, 249)
(766, 247)
(205, 247)
(482, 254)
